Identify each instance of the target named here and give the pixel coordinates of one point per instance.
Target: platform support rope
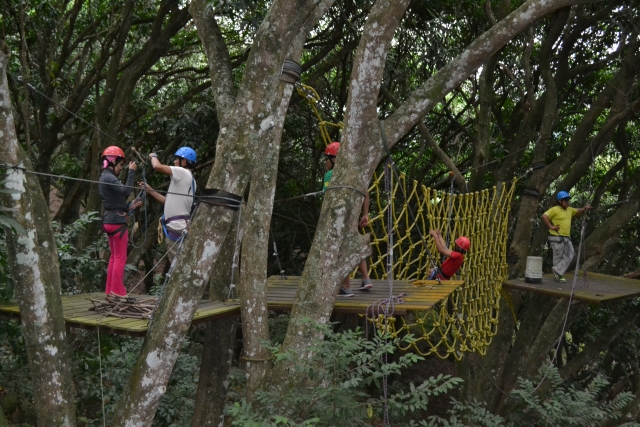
(235, 263)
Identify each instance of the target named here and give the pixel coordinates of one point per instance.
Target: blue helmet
(563, 195)
(187, 153)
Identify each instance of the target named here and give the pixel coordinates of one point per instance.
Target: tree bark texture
(257, 225)
(34, 266)
(254, 111)
(483, 140)
(338, 246)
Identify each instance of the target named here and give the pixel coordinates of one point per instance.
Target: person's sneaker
(366, 285)
(345, 292)
(556, 275)
(561, 279)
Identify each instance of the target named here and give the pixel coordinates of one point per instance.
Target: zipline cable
(24, 169)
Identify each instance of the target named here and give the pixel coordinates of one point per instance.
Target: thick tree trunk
(256, 228)
(338, 246)
(34, 266)
(253, 280)
(483, 140)
(219, 343)
(252, 119)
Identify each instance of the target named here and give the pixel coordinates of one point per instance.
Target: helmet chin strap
(106, 163)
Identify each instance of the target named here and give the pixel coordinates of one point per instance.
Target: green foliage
(278, 324)
(561, 406)
(15, 382)
(338, 375)
(569, 406)
(66, 164)
(465, 415)
(118, 358)
(78, 265)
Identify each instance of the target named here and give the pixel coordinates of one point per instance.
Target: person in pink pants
(114, 217)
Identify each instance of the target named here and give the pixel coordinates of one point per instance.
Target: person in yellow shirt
(558, 220)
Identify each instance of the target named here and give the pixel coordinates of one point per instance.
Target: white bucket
(533, 272)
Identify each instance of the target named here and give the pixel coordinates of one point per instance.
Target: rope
(236, 251)
(275, 252)
(232, 202)
(467, 319)
(141, 197)
(566, 316)
(312, 97)
(383, 309)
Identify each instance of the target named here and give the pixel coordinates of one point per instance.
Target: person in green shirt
(330, 154)
(558, 220)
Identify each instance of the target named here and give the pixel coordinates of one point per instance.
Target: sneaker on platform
(345, 292)
(366, 285)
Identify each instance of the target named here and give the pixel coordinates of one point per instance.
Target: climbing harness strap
(168, 232)
(438, 274)
(122, 229)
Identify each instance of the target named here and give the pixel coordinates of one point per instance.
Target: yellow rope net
(467, 319)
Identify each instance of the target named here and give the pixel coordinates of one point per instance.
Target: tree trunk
(256, 228)
(480, 373)
(219, 343)
(338, 246)
(34, 266)
(250, 121)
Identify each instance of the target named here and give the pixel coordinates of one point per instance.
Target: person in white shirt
(179, 199)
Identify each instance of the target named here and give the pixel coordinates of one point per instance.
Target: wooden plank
(281, 297)
(595, 289)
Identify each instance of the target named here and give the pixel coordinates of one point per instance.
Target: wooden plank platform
(595, 289)
(77, 314)
(280, 296)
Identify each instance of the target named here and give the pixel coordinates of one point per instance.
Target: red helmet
(113, 151)
(463, 243)
(332, 149)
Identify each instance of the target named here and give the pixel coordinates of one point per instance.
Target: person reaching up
(179, 199)
(455, 257)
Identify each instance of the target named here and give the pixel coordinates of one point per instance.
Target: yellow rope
(312, 97)
(467, 319)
